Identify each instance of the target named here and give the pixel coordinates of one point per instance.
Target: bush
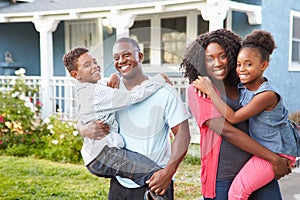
(63, 143)
(23, 133)
(295, 116)
(19, 118)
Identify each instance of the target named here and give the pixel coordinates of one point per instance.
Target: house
(36, 33)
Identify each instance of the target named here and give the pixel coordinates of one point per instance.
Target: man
(146, 126)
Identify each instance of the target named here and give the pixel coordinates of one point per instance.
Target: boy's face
(88, 69)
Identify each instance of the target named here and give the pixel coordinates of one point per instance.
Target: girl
(263, 106)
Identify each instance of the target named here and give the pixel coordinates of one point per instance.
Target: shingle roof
(49, 5)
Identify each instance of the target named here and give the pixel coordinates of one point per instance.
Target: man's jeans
(269, 192)
(113, 162)
(119, 192)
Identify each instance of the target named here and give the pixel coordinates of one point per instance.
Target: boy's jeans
(113, 162)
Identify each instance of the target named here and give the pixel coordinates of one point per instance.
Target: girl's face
(250, 67)
(216, 61)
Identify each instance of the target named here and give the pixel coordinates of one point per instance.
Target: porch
(62, 97)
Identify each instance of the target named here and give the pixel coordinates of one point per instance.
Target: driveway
(290, 185)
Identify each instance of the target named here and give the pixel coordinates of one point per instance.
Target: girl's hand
(114, 81)
(203, 85)
(166, 78)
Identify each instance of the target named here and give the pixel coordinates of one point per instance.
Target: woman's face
(216, 61)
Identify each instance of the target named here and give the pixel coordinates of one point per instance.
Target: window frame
(293, 66)
(156, 64)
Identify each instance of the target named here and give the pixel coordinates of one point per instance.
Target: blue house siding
(240, 24)
(59, 50)
(276, 19)
(22, 41)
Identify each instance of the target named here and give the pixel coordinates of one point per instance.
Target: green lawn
(28, 178)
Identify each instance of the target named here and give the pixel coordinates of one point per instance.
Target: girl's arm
(262, 101)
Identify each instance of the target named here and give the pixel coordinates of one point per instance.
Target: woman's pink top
(210, 142)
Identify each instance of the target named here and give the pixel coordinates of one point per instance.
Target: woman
(214, 55)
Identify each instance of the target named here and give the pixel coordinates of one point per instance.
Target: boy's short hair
(71, 57)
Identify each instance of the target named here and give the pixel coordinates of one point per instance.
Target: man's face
(126, 58)
(88, 69)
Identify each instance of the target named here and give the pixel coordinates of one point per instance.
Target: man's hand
(95, 129)
(160, 181)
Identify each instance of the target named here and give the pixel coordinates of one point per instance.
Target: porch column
(45, 28)
(215, 13)
(122, 23)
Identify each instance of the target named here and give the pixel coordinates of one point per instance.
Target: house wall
(276, 19)
(22, 41)
(240, 24)
(59, 50)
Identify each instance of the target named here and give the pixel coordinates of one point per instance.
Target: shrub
(295, 116)
(19, 117)
(23, 133)
(63, 143)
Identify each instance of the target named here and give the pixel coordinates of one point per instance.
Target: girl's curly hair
(261, 40)
(193, 63)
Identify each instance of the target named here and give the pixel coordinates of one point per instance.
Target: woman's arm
(262, 101)
(245, 142)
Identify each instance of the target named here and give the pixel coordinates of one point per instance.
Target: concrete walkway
(290, 185)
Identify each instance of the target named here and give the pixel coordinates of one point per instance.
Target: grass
(29, 178)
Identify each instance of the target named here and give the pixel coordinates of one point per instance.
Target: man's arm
(245, 142)
(161, 179)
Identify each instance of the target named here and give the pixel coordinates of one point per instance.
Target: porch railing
(63, 96)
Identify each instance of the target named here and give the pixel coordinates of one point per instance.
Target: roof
(29, 10)
(56, 5)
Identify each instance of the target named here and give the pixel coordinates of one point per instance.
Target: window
(203, 26)
(82, 33)
(173, 39)
(295, 42)
(140, 31)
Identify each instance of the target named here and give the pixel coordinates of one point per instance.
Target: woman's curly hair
(261, 40)
(193, 63)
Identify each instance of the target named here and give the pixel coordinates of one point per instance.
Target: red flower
(38, 103)
(2, 120)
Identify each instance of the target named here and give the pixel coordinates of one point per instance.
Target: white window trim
(292, 66)
(155, 56)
